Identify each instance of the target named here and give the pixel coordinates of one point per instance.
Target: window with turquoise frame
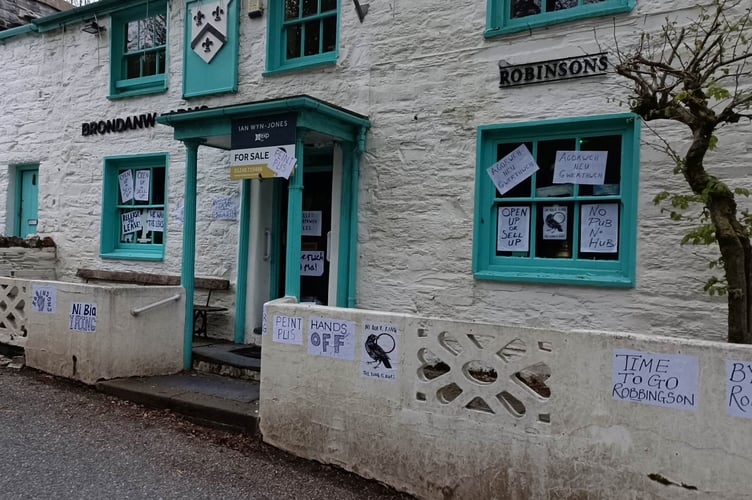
(138, 50)
(133, 207)
(508, 16)
(556, 201)
(302, 33)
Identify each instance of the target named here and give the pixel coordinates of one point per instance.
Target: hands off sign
(334, 338)
(668, 380)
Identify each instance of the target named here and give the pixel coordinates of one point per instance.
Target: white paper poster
(739, 388)
(311, 223)
(580, 167)
(513, 231)
(125, 179)
(379, 350)
(178, 212)
(668, 380)
(334, 338)
(287, 329)
(225, 207)
(131, 222)
(599, 228)
(512, 169)
(282, 164)
(142, 185)
(312, 263)
(155, 220)
(555, 223)
(44, 299)
(83, 317)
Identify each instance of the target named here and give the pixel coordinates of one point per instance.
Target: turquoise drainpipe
(354, 182)
(187, 279)
(294, 222)
(241, 288)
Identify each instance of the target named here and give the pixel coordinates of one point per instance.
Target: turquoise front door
(27, 203)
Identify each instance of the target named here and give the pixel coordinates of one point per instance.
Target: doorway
(27, 190)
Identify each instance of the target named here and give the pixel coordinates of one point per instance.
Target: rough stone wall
(28, 263)
(17, 12)
(427, 78)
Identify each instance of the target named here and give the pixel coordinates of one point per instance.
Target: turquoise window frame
(110, 245)
(499, 20)
(120, 85)
(276, 47)
(487, 265)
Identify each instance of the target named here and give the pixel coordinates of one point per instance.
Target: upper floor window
(556, 201)
(508, 16)
(302, 33)
(138, 58)
(133, 207)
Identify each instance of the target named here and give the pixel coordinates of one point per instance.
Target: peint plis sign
(255, 142)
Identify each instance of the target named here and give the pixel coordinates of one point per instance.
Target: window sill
(289, 68)
(131, 255)
(575, 278)
(155, 89)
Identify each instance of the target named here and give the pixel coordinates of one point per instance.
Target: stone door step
(228, 360)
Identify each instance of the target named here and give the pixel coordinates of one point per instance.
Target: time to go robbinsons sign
(262, 147)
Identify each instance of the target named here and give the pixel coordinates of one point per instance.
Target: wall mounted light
(255, 8)
(92, 26)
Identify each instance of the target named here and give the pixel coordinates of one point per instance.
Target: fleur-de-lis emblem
(217, 13)
(207, 45)
(199, 18)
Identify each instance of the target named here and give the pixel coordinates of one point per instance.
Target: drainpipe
(354, 182)
(241, 289)
(294, 222)
(187, 279)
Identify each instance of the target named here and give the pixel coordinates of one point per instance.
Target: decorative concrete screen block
(14, 300)
(90, 332)
(474, 368)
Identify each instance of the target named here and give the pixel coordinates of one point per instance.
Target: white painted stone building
(423, 79)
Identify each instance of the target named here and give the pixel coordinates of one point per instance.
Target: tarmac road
(66, 441)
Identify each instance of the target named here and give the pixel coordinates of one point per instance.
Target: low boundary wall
(88, 332)
(469, 410)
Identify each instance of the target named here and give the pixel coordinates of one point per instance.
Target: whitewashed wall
(567, 435)
(426, 77)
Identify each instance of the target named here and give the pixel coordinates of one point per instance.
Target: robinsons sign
(549, 71)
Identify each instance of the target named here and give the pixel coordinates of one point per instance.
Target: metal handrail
(136, 312)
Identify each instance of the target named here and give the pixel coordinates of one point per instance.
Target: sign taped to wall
(334, 338)
(44, 299)
(83, 317)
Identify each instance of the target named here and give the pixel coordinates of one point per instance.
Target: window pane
(524, 8)
(611, 144)
(292, 8)
(544, 185)
(150, 64)
(592, 1)
(133, 66)
(161, 62)
(131, 36)
(523, 188)
(310, 7)
(293, 41)
(157, 186)
(330, 34)
(553, 227)
(327, 5)
(552, 5)
(312, 37)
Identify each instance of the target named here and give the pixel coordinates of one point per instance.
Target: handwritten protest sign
(155, 220)
(512, 169)
(599, 228)
(334, 338)
(311, 223)
(131, 222)
(287, 329)
(668, 380)
(125, 180)
(580, 167)
(142, 185)
(83, 317)
(312, 263)
(225, 207)
(282, 164)
(739, 388)
(513, 231)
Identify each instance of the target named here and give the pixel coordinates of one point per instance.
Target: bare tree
(698, 75)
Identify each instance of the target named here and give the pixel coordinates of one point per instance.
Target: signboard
(155, 220)
(334, 338)
(44, 299)
(83, 317)
(312, 263)
(125, 179)
(668, 380)
(311, 223)
(511, 75)
(599, 228)
(555, 222)
(287, 329)
(739, 388)
(254, 142)
(131, 222)
(580, 167)
(513, 231)
(225, 207)
(380, 351)
(141, 192)
(512, 169)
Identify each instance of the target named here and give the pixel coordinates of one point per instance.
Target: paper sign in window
(513, 231)
(512, 169)
(580, 167)
(311, 223)
(125, 179)
(312, 263)
(155, 220)
(131, 221)
(142, 185)
(599, 228)
(555, 223)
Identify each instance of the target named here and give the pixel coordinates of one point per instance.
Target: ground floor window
(556, 201)
(133, 207)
